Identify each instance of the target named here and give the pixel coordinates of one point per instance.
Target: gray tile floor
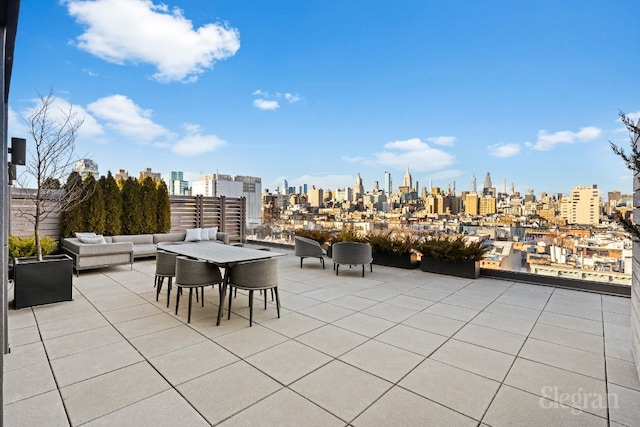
(398, 347)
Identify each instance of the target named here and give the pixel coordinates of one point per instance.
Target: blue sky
(319, 91)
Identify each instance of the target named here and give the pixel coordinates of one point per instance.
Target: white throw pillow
(84, 235)
(204, 234)
(213, 232)
(92, 240)
(193, 235)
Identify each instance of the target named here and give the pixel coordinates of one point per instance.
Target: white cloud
(270, 102)
(412, 153)
(446, 175)
(196, 144)
(139, 31)
(547, 141)
(503, 150)
(128, 119)
(635, 116)
(264, 104)
(447, 141)
(291, 97)
(352, 159)
(59, 109)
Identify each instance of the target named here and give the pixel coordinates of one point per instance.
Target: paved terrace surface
(396, 348)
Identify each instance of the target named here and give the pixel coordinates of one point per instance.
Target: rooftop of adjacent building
(397, 347)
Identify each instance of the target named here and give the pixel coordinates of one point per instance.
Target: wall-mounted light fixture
(18, 151)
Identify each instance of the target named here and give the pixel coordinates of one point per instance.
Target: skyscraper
(358, 188)
(487, 181)
(177, 185)
(408, 181)
(584, 207)
(285, 187)
(388, 188)
(474, 187)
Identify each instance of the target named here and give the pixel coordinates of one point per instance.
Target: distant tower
(512, 190)
(387, 183)
(504, 186)
(473, 184)
(487, 181)
(285, 187)
(358, 188)
(407, 179)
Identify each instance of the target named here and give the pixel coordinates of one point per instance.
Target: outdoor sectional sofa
(123, 249)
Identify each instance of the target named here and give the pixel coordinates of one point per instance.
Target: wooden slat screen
(226, 213)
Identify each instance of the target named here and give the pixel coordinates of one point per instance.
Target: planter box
(44, 282)
(395, 260)
(468, 269)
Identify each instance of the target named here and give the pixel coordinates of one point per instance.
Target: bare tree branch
(53, 131)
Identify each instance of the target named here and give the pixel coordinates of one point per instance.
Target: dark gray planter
(42, 282)
(396, 260)
(468, 269)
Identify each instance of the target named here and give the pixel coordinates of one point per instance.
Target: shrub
(321, 237)
(347, 235)
(163, 208)
(112, 205)
(26, 246)
(391, 242)
(452, 249)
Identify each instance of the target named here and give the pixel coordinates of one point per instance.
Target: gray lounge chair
(308, 248)
(351, 253)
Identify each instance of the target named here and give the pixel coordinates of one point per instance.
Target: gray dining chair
(308, 248)
(191, 273)
(165, 268)
(253, 276)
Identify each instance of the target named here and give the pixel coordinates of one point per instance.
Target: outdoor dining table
(221, 255)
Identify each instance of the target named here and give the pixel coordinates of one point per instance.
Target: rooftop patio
(397, 347)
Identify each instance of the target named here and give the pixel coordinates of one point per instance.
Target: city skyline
(317, 93)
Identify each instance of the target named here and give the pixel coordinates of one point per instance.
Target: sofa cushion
(92, 240)
(169, 237)
(193, 235)
(213, 233)
(144, 249)
(75, 246)
(136, 239)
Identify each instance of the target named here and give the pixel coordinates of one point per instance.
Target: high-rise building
(285, 187)
(487, 205)
(249, 187)
(585, 205)
(316, 196)
(388, 188)
(343, 195)
(488, 189)
(358, 188)
(474, 186)
(177, 185)
(407, 181)
(472, 204)
(148, 172)
(487, 181)
(87, 166)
